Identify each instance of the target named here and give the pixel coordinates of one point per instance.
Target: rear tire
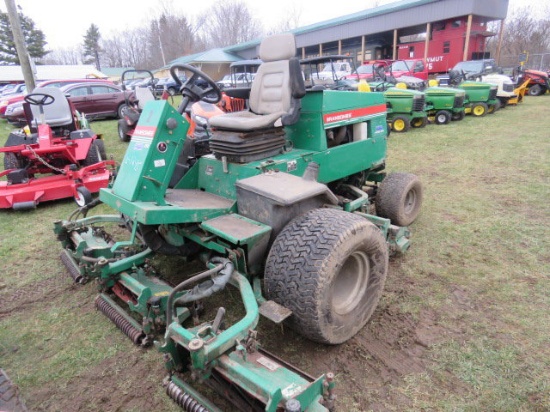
(399, 198)
(400, 124)
(419, 122)
(459, 115)
(123, 129)
(96, 153)
(329, 267)
(535, 90)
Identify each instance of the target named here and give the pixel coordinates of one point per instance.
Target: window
(103, 90)
(439, 26)
(411, 51)
(79, 91)
(455, 24)
(446, 47)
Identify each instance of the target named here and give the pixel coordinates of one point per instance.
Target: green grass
(479, 265)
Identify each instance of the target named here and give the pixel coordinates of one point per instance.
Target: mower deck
(29, 193)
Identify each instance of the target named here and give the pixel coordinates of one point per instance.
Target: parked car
(236, 80)
(16, 112)
(98, 100)
(16, 89)
(8, 99)
(168, 84)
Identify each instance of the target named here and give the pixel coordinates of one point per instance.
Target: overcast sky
(64, 23)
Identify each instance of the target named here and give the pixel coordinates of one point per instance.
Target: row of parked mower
(409, 102)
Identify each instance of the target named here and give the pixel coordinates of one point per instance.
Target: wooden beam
(395, 44)
(427, 42)
(468, 34)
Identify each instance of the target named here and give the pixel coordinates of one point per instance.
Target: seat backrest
(271, 90)
(143, 95)
(58, 113)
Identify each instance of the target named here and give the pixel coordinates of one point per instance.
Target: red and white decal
(353, 114)
(145, 131)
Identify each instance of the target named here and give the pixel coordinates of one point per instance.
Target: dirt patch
(393, 346)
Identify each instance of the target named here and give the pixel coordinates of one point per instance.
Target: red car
(366, 70)
(16, 114)
(98, 100)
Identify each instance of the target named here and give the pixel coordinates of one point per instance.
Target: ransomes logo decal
(145, 131)
(353, 114)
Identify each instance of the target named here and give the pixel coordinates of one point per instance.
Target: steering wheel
(190, 89)
(39, 99)
(380, 72)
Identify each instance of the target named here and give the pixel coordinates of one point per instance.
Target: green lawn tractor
(444, 104)
(481, 98)
(292, 208)
(406, 107)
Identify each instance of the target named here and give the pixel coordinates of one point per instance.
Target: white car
(236, 80)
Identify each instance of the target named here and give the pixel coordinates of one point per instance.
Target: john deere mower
(292, 208)
(444, 104)
(481, 98)
(60, 157)
(406, 107)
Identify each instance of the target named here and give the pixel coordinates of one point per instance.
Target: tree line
(171, 35)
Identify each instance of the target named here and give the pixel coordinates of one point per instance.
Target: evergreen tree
(34, 40)
(91, 46)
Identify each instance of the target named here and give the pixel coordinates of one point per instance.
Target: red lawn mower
(144, 91)
(59, 158)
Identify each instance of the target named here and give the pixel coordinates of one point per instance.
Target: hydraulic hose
(186, 283)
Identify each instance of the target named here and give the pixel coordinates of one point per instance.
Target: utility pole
(20, 46)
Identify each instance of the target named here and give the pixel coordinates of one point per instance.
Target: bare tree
(68, 56)
(291, 20)
(229, 22)
(523, 31)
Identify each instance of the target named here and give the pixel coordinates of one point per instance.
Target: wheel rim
(410, 202)
(79, 199)
(351, 283)
(441, 118)
(479, 110)
(399, 125)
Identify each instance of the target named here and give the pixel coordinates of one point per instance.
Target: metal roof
(210, 56)
(397, 15)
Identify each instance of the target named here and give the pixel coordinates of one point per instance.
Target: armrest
(239, 92)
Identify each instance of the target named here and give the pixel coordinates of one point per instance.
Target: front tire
(83, 196)
(121, 111)
(399, 198)
(329, 267)
(123, 130)
(479, 109)
(400, 124)
(443, 117)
